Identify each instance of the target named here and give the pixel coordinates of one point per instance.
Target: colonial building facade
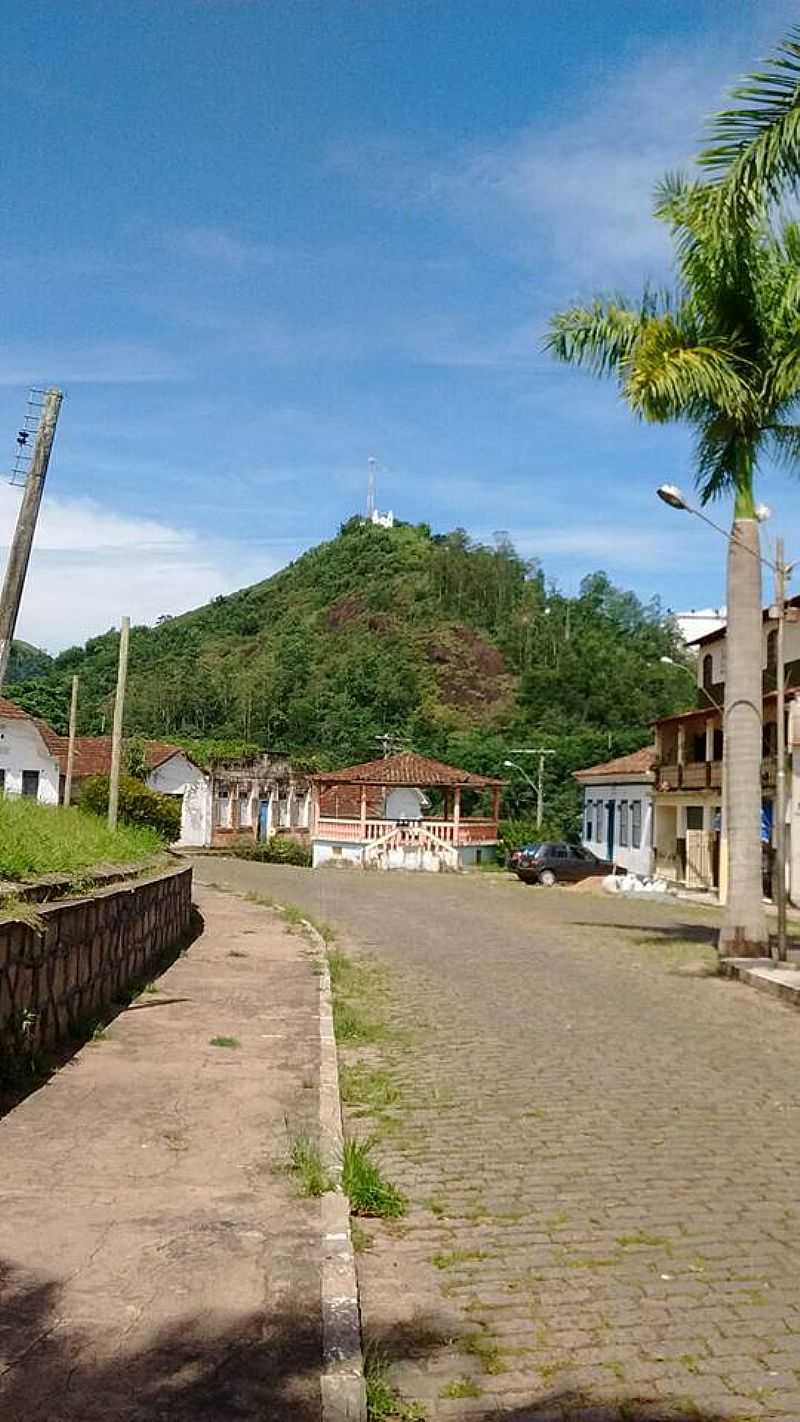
(618, 810)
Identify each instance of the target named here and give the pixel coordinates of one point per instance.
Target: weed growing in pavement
(151, 988)
(224, 1041)
(436, 1207)
(486, 1349)
(374, 1089)
(363, 1184)
(237, 953)
(461, 1387)
(349, 1025)
(641, 1236)
(99, 1033)
(458, 1256)
(306, 1163)
(361, 1240)
(383, 1399)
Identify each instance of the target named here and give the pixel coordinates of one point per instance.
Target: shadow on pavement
(649, 932)
(200, 1368)
(249, 1368)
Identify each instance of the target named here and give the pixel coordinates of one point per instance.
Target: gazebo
(378, 815)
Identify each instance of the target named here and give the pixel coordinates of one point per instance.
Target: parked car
(560, 863)
(522, 855)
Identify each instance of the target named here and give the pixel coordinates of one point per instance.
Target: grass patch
(306, 1163)
(224, 1042)
(641, 1236)
(372, 1088)
(361, 1240)
(458, 1256)
(363, 1184)
(350, 1026)
(383, 1399)
(462, 1387)
(486, 1349)
(151, 988)
(45, 839)
(16, 910)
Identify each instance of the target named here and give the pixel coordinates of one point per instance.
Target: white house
(28, 764)
(618, 809)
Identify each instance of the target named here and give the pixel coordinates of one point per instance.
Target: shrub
(138, 805)
(515, 833)
(278, 850)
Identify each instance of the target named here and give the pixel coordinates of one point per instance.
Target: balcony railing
(471, 831)
(691, 775)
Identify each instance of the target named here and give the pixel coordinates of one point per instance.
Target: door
(263, 819)
(611, 806)
(30, 784)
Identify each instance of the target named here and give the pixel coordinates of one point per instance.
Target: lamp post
(672, 495)
(538, 789)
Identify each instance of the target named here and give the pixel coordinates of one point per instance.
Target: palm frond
(754, 153)
(783, 443)
(716, 459)
(599, 337)
(672, 377)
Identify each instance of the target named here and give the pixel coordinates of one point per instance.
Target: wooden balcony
(692, 775)
(350, 831)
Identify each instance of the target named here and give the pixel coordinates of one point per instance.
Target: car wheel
(548, 878)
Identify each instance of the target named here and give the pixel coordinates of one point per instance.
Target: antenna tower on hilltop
(372, 469)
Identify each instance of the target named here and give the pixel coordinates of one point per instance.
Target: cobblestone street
(600, 1142)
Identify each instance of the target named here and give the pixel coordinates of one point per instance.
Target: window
(708, 672)
(718, 743)
(30, 784)
(589, 804)
(694, 817)
(623, 822)
(772, 650)
(2, 781)
(636, 823)
(244, 808)
(599, 809)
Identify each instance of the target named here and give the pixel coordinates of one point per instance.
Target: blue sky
(260, 241)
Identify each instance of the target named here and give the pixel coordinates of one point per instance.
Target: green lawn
(43, 839)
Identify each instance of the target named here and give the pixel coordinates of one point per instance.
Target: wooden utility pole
(20, 551)
(116, 734)
(73, 721)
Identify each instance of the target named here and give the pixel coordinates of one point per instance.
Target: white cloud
(90, 566)
(86, 362)
(573, 193)
(220, 246)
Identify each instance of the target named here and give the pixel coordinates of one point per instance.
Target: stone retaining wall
(85, 955)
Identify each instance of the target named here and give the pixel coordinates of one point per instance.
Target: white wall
(323, 853)
(22, 748)
(178, 776)
(638, 860)
(718, 654)
(404, 804)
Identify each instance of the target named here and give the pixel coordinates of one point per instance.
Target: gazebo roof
(407, 768)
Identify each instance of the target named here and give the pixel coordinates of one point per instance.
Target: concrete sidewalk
(152, 1263)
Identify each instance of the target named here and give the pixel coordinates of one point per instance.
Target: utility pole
(539, 786)
(780, 776)
(73, 721)
(116, 734)
(20, 551)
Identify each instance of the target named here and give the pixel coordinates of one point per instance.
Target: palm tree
(721, 353)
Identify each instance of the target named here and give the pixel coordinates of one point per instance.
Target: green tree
(722, 354)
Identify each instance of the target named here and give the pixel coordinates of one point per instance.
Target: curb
(779, 980)
(343, 1391)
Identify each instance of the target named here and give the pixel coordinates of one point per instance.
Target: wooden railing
(471, 831)
(700, 775)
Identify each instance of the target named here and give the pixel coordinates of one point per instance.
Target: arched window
(772, 650)
(708, 672)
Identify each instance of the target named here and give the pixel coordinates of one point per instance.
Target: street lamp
(538, 789)
(672, 495)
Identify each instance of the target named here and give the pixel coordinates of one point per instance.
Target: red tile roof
(93, 754)
(10, 712)
(407, 768)
(639, 763)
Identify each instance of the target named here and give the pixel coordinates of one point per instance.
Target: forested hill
(458, 649)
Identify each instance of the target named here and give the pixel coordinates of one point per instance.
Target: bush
(138, 805)
(278, 850)
(515, 833)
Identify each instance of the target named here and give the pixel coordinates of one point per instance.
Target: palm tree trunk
(744, 927)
